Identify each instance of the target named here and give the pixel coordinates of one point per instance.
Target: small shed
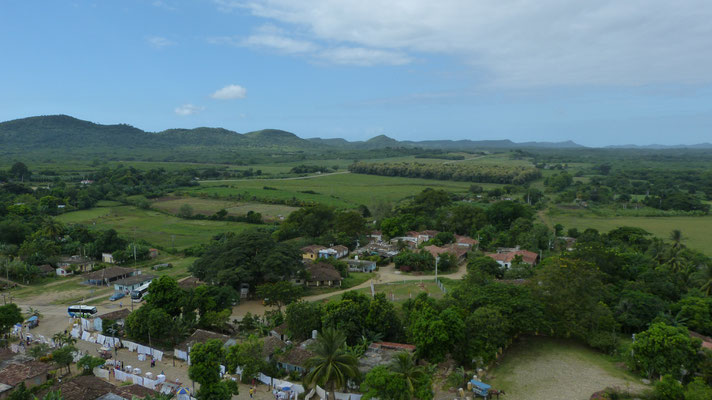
(361, 265)
(119, 316)
(182, 351)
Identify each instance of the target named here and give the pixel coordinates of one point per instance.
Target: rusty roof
(296, 356)
(323, 272)
(82, 387)
(16, 372)
(201, 336)
(108, 273)
(116, 315)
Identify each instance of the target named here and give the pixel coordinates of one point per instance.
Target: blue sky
(599, 72)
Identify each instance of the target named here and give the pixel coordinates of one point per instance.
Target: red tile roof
(465, 240)
(528, 257)
(393, 346)
(15, 373)
(312, 249)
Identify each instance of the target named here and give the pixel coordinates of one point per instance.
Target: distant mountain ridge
(63, 131)
(66, 132)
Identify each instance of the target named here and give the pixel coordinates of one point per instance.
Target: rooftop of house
(340, 248)
(134, 280)
(109, 273)
(314, 248)
(16, 372)
(392, 346)
(134, 391)
(436, 251)
(706, 340)
(528, 257)
(75, 260)
(323, 272)
(201, 336)
(45, 268)
(83, 387)
(116, 315)
(272, 344)
(296, 356)
(381, 353)
(465, 240)
(281, 328)
(190, 282)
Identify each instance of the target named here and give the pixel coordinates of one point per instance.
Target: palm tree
(52, 228)
(676, 237)
(33, 312)
(676, 261)
(404, 365)
(657, 250)
(706, 287)
(331, 366)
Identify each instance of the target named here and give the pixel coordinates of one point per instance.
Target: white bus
(81, 310)
(137, 295)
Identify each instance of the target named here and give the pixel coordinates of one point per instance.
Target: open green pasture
(697, 231)
(154, 227)
(339, 190)
(209, 206)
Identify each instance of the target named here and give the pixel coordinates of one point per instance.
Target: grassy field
(338, 190)
(399, 292)
(152, 226)
(537, 368)
(696, 230)
(209, 206)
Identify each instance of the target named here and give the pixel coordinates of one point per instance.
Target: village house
(505, 256)
(320, 274)
(466, 241)
(126, 285)
(381, 353)
(376, 236)
(118, 316)
(311, 252)
(64, 271)
(189, 283)
(357, 265)
(270, 346)
(78, 263)
(32, 373)
(108, 275)
(182, 351)
(107, 258)
(46, 269)
(459, 252)
(294, 359)
(280, 332)
(568, 242)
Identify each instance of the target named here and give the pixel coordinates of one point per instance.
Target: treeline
(310, 169)
(453, 172)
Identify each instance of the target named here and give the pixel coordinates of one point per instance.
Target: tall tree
(331, 367)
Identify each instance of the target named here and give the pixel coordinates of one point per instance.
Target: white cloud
(516, 43)
(230, 92)
(364, 57)
(159, 41)
(188, 109)
(279, 43)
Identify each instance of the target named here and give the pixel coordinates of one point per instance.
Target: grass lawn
(697, 231)
(207, 206)
(354, 279)
(399, 292)
(539, 368)
(152, 226)
(339, 190)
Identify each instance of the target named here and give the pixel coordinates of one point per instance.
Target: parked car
(116, 296)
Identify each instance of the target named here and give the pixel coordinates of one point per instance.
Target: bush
(668, 389)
